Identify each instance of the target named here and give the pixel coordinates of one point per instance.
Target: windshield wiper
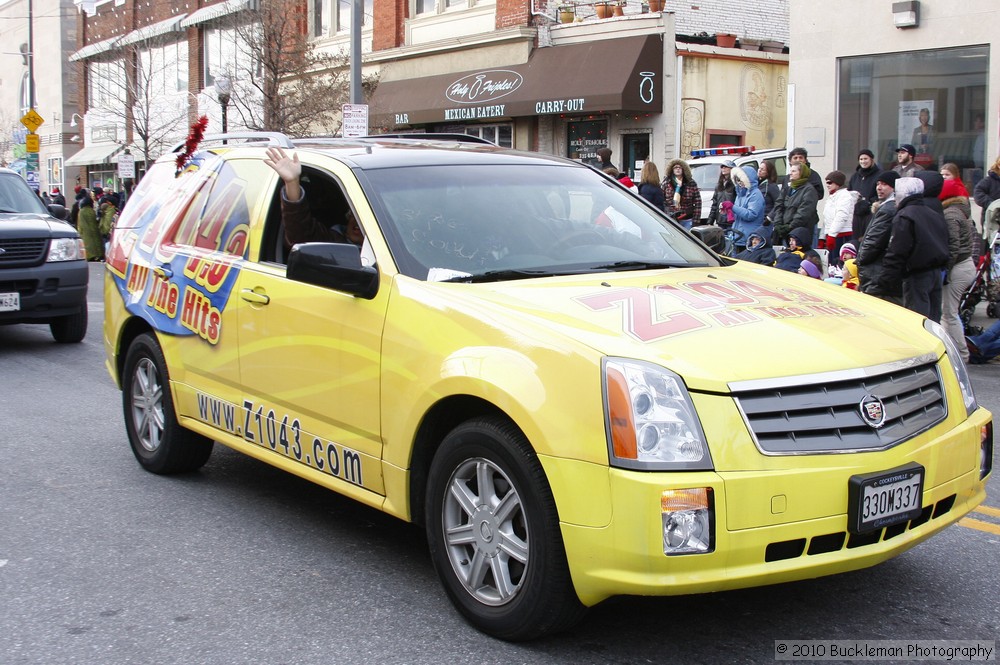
(644, 265)
(501, 275)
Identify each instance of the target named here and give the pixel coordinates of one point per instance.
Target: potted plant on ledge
(567, 13)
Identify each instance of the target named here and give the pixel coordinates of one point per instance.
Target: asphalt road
(101, 562)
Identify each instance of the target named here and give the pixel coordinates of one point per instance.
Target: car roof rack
(432, 136)
(271, 138)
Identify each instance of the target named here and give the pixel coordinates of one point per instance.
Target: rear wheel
(158, 441)
(70, 329)
(494, 536)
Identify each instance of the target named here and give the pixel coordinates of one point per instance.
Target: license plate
(10, 302)
(884, 498)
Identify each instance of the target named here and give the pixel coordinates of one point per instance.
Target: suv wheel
(70, 329)
(493, 533)
(158, 441)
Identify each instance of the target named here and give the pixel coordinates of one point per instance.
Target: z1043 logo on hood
(484, 86)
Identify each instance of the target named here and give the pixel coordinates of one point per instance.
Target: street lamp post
(223, 88)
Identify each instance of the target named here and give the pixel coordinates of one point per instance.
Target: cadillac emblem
(872, 411)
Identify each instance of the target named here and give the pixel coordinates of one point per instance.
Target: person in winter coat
(987, 190)
(796, 207)
(725, 190)
(838, 214)
(89, 230)
(767, 177)
(872, 248)
(801, 157)
(109, 214)
(759, 249)
(933, 182)
(748, 208)
(681, 195)
(649, 186)
(849, 273)
(918, 249)
(961, 268)
(795, 250)
(863, 182)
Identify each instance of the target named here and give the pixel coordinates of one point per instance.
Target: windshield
(16, 196)
(706, 175)
(514, 221)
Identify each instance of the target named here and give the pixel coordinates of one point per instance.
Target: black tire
(158, 441)
(507, 576)
(70, 329)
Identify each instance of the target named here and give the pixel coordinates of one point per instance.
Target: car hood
(712, 326)
(33, 225)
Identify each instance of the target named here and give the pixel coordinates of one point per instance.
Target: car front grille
(22, 251)
(823, 413)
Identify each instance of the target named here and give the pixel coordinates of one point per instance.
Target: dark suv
(43, 268)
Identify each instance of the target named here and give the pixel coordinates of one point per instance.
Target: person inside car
(298, 219)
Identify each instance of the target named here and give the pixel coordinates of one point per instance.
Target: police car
(515, 359)
(706, 164)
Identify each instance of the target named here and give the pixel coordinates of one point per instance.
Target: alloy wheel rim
(485, 532)
(147, 405)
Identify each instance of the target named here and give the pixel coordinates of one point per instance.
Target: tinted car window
(441, 220)
(16, 196)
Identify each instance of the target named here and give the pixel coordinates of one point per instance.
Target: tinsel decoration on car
(192, 141)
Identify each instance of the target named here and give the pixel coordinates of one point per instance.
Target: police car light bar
(727, 150)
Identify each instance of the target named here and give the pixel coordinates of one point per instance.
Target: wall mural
(692, 125)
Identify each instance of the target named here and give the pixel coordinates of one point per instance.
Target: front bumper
(48, 291)
(626, 557)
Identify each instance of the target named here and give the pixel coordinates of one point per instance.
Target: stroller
(986, 286)
(720, 240)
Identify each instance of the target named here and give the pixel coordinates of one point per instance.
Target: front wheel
(70, 329)
(158, 441)
(493, 533)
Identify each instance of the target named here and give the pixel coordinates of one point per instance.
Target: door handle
(163, 272)
(252, 296)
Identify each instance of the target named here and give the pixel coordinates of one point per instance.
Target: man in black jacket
(918, 250)
(875, 241)
(863, 182)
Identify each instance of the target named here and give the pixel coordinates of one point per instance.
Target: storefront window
(584, 138)
(935, 100)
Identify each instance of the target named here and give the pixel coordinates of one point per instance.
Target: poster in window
(916, 126)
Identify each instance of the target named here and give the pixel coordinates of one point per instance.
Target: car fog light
(985, 450)
(688, 521)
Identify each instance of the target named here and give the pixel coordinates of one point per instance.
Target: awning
(217, 10)
(148, 32)
(624, 74)
(97, 154)
(91, 50)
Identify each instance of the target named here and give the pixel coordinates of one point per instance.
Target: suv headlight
(961, 371)
(650, 419)
(66, 249)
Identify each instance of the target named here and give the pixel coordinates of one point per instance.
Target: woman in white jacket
(838, 215)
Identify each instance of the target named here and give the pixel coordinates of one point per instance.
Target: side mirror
(59, 211)
(332, 265)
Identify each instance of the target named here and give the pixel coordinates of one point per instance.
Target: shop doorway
(635, 151)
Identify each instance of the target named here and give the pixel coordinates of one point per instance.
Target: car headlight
(66, 249)
(955, 358)
(650, 419)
